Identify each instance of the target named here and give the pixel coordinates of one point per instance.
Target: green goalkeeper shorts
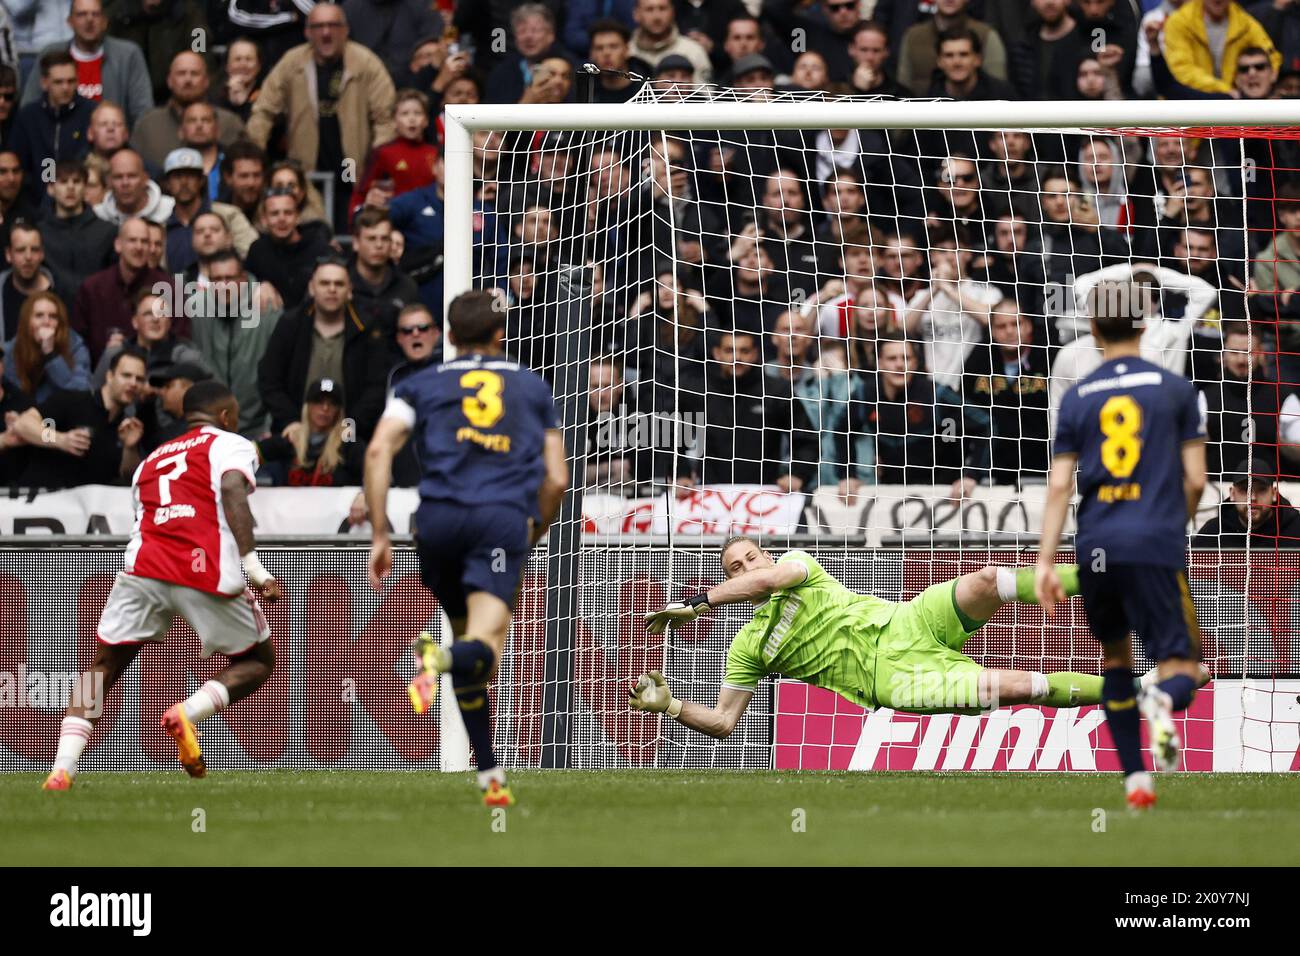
(919, 664)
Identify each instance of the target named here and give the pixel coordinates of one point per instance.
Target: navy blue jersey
(1127, 422)
(481, 424)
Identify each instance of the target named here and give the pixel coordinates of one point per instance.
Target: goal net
(772, 313)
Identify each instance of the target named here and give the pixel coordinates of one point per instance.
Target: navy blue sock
(471, 659)
(1180, 689)
(471, 663)
(1120, 701)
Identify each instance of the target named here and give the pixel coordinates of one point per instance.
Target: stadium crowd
(838, 307)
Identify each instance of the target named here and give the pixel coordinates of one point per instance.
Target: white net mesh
(854, 340)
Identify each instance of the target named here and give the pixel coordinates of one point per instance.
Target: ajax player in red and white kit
(190, 549)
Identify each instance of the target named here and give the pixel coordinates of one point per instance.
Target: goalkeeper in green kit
(809, 627)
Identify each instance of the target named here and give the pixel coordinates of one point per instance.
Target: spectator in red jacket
(402, 164)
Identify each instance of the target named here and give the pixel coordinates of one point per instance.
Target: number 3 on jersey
(1121, 423)
(485, 407)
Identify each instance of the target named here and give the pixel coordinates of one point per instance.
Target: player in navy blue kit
(1137, 436)
(494, 472)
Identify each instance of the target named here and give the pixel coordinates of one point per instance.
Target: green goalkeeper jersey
(818, 632)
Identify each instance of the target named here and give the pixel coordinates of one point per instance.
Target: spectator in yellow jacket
(1203, 38)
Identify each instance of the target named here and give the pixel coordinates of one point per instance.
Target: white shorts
(142, 609)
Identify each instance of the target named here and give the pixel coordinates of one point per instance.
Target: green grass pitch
(648, 817)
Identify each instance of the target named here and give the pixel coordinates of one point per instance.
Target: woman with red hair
(46, 354)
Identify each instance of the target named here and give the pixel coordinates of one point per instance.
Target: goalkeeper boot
(498, 794)
(187, 740)
(1139, 791)
(1158, 709)
(58, 780)
(423, 690)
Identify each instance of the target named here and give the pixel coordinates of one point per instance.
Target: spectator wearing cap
(169, 383)
(420, 341)
(379, 289)
(401, 164)
(322, 452)
(657, 36)
(286, 255)
(335, 98)
(158, 132)
(1255, 514)
(77, 243)
(151, 324)
(46, 355)
(232, 328)
(54, 127)
(610, 49)
(532, 27)
(13, 402)
(753, 72)
(97, 435)
(389, 28)
(107, 68)
(674, 70)
(105, 301)
(186, 182)
(25, 276)
(918, 57)
(324, 337)
(131, 193)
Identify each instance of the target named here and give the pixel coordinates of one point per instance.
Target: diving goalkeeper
(876, 653)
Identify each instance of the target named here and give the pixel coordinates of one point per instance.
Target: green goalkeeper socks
(1065, 689)
(1068, 573)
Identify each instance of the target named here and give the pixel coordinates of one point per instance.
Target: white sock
(1007, 583)
(1038, 687)
(74, 734)
(206, 701)
(485, 777)
(1139, 781)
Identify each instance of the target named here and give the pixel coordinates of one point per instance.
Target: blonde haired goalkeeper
(876, 653)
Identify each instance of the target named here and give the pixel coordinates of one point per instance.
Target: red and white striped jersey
(180, 532)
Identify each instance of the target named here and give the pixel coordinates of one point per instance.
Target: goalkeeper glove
(651, 694)
(678, 613)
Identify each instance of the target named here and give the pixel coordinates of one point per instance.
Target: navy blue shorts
(1153, 601)
(466, 549)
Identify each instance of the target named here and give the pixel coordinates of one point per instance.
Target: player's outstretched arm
(554, 484)
(389, 437)
(1060, 484)
(651, 694)
(752, 585)
(234, 502)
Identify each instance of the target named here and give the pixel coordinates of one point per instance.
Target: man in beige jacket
(336, 98)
